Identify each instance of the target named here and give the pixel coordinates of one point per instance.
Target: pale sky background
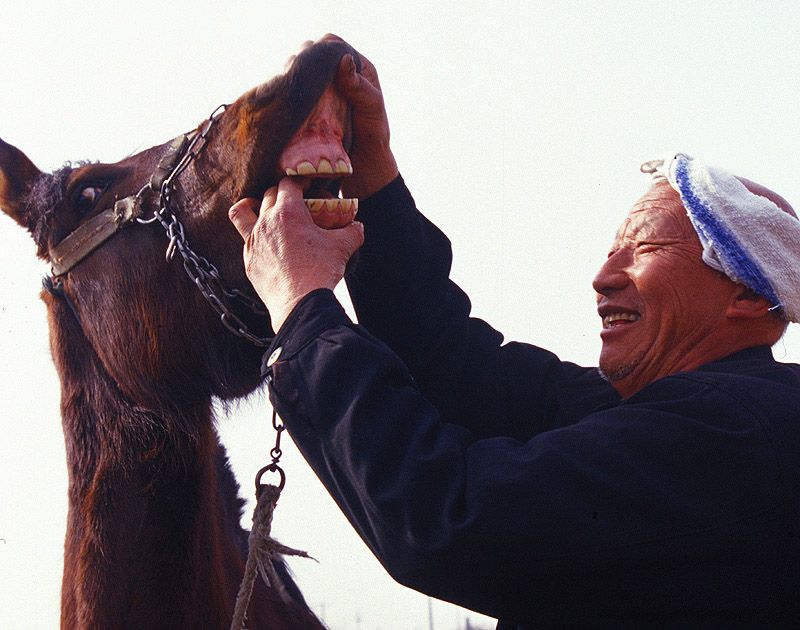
(518, 126)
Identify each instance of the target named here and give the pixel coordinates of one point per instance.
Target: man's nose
(613, 275)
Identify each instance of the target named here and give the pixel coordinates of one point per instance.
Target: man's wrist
(316, 312)
(279, 311)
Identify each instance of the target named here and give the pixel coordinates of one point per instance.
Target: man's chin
(615, 371)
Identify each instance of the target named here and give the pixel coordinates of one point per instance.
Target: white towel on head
(745, 236)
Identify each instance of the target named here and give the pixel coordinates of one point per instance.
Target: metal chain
(207, 279)
(206, 276)
(202, 272)
(275, 452)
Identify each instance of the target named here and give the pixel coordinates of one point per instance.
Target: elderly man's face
(660, 304)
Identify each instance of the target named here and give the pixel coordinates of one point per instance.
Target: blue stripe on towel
(726, 244)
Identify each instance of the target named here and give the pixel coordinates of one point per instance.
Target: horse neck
(151, 540)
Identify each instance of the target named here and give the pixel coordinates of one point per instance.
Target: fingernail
(352, 70)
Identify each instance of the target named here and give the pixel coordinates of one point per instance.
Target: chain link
(279, 428)
(275, 453)
(207, 279)
(202, 272)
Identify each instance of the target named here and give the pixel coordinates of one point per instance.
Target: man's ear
(747, 304)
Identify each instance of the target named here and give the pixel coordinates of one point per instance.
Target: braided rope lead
(262, 550)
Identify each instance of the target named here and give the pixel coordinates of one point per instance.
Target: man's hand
(373, 162)
(286, 255)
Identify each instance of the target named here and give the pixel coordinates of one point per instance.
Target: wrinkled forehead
(658, 215)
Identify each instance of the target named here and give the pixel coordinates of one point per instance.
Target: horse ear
(17, 174)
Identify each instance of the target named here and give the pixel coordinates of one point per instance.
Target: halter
(95, 231)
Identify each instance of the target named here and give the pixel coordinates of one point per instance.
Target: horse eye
(87, 198)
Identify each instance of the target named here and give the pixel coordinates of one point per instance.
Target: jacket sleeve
(400, 287)
(602, 517)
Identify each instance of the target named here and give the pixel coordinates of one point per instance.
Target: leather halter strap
(95, 231)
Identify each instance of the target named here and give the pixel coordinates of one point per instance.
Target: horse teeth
(350, 205)
(331, 206)
(314, 205)
(325, 167)
(306, 168)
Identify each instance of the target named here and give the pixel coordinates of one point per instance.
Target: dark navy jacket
(499, 478)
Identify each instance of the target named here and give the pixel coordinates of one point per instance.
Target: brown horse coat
(153, 535)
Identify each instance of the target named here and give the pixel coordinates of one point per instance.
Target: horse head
(158, 336)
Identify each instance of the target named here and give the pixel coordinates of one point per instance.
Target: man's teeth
(323, 168)
(615, 317)
(343, 206)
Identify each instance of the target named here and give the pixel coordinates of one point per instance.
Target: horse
(151, 317)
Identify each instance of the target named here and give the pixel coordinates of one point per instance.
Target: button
(276, 354)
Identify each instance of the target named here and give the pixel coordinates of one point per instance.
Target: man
(664, 493)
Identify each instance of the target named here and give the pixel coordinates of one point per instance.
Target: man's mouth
(617, 316)
(619, 319)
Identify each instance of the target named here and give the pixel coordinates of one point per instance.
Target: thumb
(243, 216)
(356, 88)
(349, 238)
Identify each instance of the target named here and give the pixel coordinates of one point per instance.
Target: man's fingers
(290, 193)
(245, 213)
(349, 238)
(269, 199)
(243, 216)
(369, 72)
(367, 69)
(357, 88)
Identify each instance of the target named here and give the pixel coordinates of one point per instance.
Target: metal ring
(270, 468)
